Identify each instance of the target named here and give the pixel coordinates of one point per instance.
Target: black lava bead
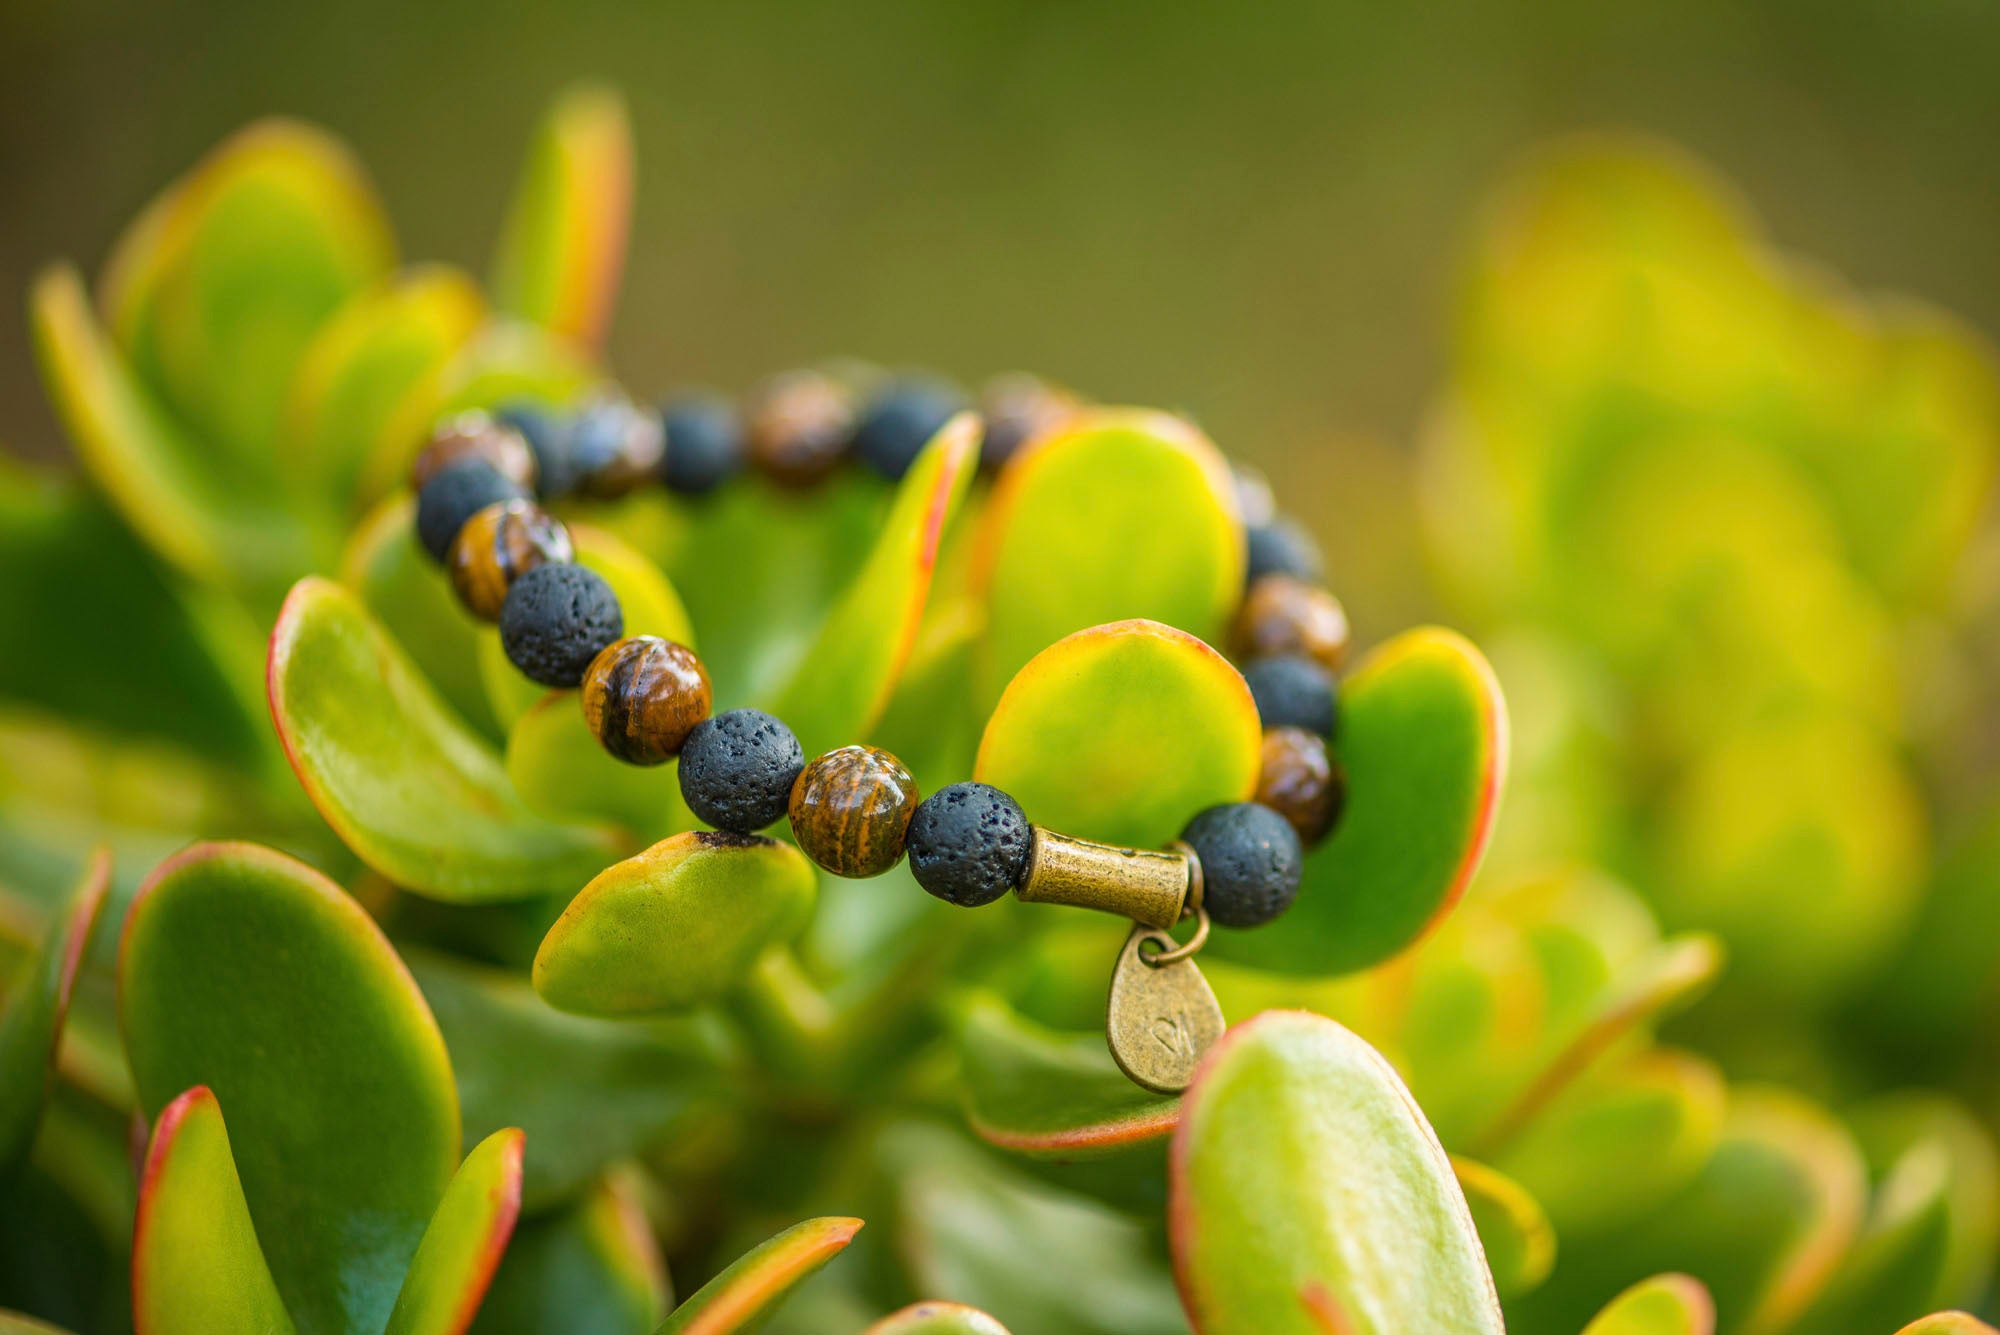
(1282, 547)
(738, 768)
(556, 618)
(1293, 691)
(901, 420)
(704, 445)
(968, 844)
(1251, 862)
(454, 496)
(548, 433)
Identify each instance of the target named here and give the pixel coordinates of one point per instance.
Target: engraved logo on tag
(1160, 1019)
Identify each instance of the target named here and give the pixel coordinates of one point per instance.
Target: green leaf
(1122, 733)
(1308, 1193)
(1947, 1323)
(252, 974)
(1662, 1305)
(561, 771)
(1423, 738)
(936, 1318)
(675, 927)
(219, 289)
(1519, 1242)
(14, 1323)
(192, 511)
(563, 244)
(759, 1280)
(1035, 1091)
(591, 1268)
(586, 1092)
(844, 683)
(31, 1017)
(196, 1264)
(397, 776)
(1122, 513)
(371, 380)
(463, 1245)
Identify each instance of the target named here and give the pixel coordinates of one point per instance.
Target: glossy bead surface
(1251, 862)
(547, 432)
(851, 810)
(1017, 408)
(737, 770)
(704, 446)
(1298, 778)
(1292, 690)
(613, 447)
(556, 619)
(901, 419)
(969, 844)
(798, 427)
(497, 546)
(1282, 614)
(455, 494)
(1281, 547)
(642, 697)
(476, 436)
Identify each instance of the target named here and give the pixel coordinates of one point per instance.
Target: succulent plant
(480, 1034)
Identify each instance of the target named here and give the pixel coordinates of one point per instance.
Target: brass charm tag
(1161, 1018)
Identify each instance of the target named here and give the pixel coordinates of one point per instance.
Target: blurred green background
(1252, 213)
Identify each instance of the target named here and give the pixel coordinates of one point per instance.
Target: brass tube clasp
(1149, 886)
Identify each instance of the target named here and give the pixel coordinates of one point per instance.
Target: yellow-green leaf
(33, 1011)
(936, 1318)
(1662, 1305)
(463, 1245)
(741, 1296)
(1519, 1241)
(1035, 1091)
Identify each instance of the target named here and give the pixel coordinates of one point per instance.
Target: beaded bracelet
(855, 811)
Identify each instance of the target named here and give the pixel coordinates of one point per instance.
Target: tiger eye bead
(614, 446)
(497, 546)
(799, 425)
(642, 696)
(1300, 781)
(474, 435)
(1283, 614)
(851, 810)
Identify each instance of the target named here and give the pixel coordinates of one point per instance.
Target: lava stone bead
(1282, 614)
(969, 844)
(900, 421)
(547, 433)
(556, 619)
(1298, 778)
(1293, 691)
(474, 435)
(704, 444)
(454, 495)
(1281, 547)
(497, 546)
(1017, 408)
(642, 697)
(851, 809)
(613, 447)
(738, 768)
(799, 426)
(1251, 862)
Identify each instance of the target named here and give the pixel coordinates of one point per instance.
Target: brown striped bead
(474, 435)
(1301, 781)
(498, 545)
(642, 696)
(799, 425)
(1016, 409)
(851, 810)
(1282, 614)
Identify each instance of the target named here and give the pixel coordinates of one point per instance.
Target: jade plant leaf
(587, 1092)
(1520, 1244)
(563, 244)
(1947, 1323)
(373, 375)
(1035, 1091)
(1423, 738)
(14, 1323)
(936, 1318)
(1662, 1305)
(1121, 733)
(250, 973)
(463, 1245)
(32, 1013)
(1119, 514)
(1309, 1194)
(678, 925)
(196, 1264)
(588, 1268)
(844, 683)
(561, 770)
(397, 776)
(739, 1297)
